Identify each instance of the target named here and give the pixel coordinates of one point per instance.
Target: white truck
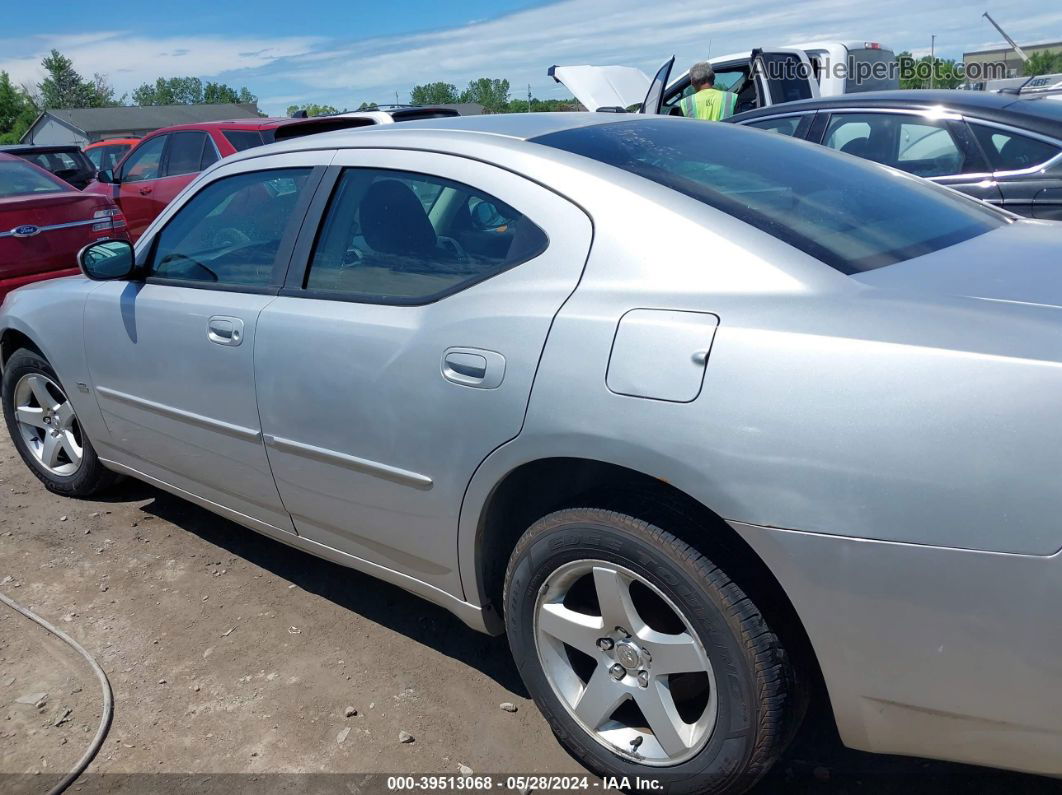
(762, 77)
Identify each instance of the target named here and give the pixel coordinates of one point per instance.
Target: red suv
(162, 163)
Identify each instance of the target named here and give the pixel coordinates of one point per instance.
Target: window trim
(1009, 128)
(283, 256)
(313, 224)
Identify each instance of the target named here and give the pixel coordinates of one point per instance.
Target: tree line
(491, 92)
(64, 87)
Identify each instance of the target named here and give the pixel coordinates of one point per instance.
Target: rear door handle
(473, 367)
(224, 330)
(145, 191)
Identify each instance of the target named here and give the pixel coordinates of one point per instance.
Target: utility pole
(528, 97)
(932, 58)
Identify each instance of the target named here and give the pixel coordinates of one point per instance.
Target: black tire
(91, 477)
(754, 692)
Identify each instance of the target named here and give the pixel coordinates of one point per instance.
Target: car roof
(1019, 110)
(39, 148)
(112, 142)
(264, 123)
(519, 126)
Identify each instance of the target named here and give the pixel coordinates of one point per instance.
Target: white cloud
(130, 59)
(521, 45)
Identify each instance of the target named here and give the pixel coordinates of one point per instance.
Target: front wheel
(645, 658)
(46, 430)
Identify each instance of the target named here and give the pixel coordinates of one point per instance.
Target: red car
(44, 222)
(162, 163)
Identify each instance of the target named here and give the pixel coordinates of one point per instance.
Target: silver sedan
(700, 415)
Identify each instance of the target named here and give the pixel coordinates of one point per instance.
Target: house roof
(149, 117)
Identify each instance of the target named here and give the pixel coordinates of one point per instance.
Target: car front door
(403, 348)
(139, 173)
(171, 356)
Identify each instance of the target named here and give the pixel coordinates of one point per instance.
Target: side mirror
(106, 176)
(108, 260)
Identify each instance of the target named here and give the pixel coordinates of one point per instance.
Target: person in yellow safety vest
(707, 102)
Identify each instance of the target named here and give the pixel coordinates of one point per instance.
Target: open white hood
(603, 86)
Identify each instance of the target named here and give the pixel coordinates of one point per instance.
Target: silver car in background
(700, 415)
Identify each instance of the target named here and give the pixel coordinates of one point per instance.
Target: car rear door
(402, 350)
(172, 356)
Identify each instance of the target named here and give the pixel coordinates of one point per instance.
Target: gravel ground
(230, 653)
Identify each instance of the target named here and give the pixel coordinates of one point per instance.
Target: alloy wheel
(48, 425)
(625, 662)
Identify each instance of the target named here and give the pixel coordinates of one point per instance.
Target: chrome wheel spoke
(673, 654)
(663, 718)
(64, 413)
(31, 416)
(599, 698)
(69, 445)
(614, 596)
(39, 387)
(578, 630)
(50, 447)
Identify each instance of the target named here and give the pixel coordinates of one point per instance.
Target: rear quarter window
(850, 214)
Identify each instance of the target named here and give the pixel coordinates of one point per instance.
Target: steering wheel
(455, 247)
(196, 264)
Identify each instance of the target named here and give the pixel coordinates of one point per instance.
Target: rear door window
(186, 152)
(399, 237)
(914, 144)
(1010, 151)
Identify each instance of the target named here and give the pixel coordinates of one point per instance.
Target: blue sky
(342, 53)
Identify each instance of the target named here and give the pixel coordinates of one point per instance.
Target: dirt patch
(231, 653)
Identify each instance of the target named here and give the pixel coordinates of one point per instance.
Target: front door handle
(473, 367)
(223, 330)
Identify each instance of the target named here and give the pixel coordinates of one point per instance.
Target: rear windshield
(871, 70)
(849, 213)
(19, 179)
(244, 139)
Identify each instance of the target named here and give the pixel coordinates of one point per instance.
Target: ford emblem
(26, 230)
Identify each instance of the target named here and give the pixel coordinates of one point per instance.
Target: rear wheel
(45, 428)
(646, 659)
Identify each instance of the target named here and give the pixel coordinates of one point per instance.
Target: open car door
(783, 75)
(609, 87)
(654, 97)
